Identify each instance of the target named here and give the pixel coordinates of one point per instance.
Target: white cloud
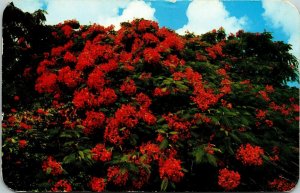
(103, 12)
(172, 1)
(135, 9)
(28, 5)
(204, 16)
(285, 16)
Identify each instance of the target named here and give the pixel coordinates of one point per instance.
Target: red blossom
(151, 56)
(67, 30)
(149, 38)
(201, 117)
(260, 114)
(152, 150)
(70, 58)
(22, 143)
(93, 120)
(161, 92)
(250, 155)
(83, 98)
(269, 88)
(170, 169)
(228, 179)
(264, 95)
(222, 72)
(107, 97)
(128, 87)
(97, 184)
(111, 66)
(24, 126)
(117, 176)
(269, 123)
(145, 76)
(215, 50)
(112, 133)
(144, 25)
(69, 77)
(100, 153)
(96, 79)
(16, 98)
(62, 186)
(51, 166)
(46, 83)
(143, 100)
(281, 185)
(126, 115)
(172, 41)
(147, 116)
(179, 125)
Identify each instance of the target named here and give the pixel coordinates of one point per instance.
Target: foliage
(88, 108)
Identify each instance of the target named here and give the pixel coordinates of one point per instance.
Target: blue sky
(198, 16)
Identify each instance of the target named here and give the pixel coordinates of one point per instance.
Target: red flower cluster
(269, 88)
(128, 87)
(51, 166)
(117, 176)
(70, 58)
(170, 169)
(152, 56)
(67, 30)
(83, 98)
(179, 125)
(269, 123)
(107, 97)
(201, 117)
(97, 184)
(228, 179)
(260, 114)
(93, 120)
(69, 77)
(172, 62)
(100, 153)
(282, 185)
(62, 186)
(143, 100)
(46, 83)
(96, 79)
(161, 92)
(264, 95)
(22, 143)
(146, 115)
(126, 117)
(152, 150)
(250, 155)
(215, 50)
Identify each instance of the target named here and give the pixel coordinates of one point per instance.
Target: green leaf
(160, 120)
(212, 160)
(69, 158)
(161, 131)
(164, 184)
(198, 153)
(236, 138)
(81, 154)
(164, 144)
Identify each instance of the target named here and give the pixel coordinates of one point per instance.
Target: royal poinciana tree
(91, 108)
